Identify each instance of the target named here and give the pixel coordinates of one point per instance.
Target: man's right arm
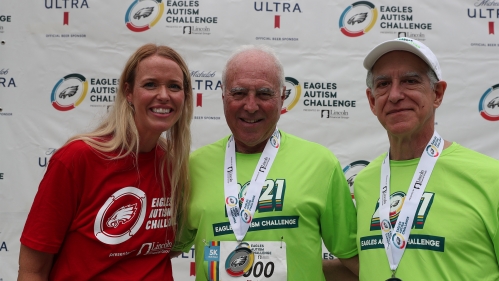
(34, 265)
(341, 269)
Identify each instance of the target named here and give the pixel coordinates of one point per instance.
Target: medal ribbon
(240, 218)
(395, 239)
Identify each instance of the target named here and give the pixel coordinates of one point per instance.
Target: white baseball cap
(404, 44)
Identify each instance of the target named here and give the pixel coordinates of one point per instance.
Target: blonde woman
(108, 204)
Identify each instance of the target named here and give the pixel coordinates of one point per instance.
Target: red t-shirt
(103, 219)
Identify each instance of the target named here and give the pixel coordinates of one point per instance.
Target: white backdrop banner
(49, 45)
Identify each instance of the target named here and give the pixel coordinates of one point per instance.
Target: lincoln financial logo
(327, 113)
(196, 30)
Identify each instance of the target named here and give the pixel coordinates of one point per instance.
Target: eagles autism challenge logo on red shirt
(121, 216)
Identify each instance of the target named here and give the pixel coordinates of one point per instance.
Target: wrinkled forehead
(252, 65)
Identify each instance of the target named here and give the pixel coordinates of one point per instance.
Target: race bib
(250, 261)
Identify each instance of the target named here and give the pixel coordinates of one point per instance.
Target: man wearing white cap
(428, 209)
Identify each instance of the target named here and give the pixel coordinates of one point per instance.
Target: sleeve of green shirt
(339, 220)
(495, 239)
(184, 240)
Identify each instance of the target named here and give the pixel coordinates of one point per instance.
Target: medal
(240, 260)
(395, 238)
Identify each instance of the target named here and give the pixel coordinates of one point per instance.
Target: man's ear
(372, 100)
(283, 94)
(440, 88)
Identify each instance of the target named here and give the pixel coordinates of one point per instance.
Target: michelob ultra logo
(69, 92)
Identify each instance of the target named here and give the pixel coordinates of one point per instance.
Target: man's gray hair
(430, 73)
(261, 48)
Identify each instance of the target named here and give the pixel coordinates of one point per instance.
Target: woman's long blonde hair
(118, 131)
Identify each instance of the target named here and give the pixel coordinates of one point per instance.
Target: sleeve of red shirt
(54, 205)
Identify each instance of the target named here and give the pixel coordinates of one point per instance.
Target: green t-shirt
(455, 234)
(305, 186)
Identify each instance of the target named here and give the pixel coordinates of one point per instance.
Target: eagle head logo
(385, 224)
(493, 103)
(288, 92)
(358, 18)
(351, 180)
(144, 13)
(395, 203)
(68, 92)
(239, 261)
(122, 215)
